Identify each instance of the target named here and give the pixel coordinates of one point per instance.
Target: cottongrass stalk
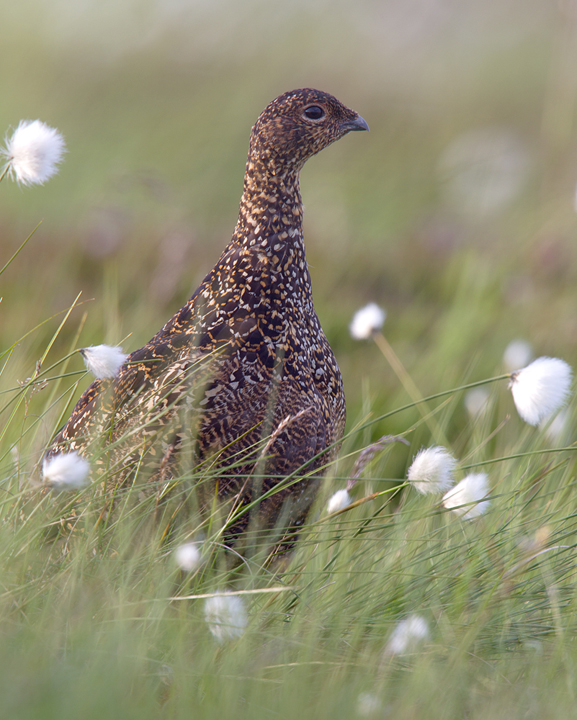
(103, 361)
(32, 153)
(225, 616)
(408, 636)
(66, 471)
(541, 388)
(338, 501)
(432, 470)
(467, 497)
(188, 557)
(22, 245)
(367, 323)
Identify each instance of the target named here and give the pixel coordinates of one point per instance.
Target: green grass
(92, 627)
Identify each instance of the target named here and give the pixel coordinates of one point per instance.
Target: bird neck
(271, 203)
(269, 231)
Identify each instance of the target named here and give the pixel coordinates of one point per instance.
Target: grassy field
(456, 214)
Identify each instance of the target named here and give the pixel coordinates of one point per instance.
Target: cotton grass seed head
(541, 388)
(339, 500)
(409, 634)
(557, 428)
(67, 471)
(518, 353)
(103, 361)
(467, 497)
(33, 152)
(366, 321)
(483, 170)
(369, 705)
(225, 616)
(188, 557)
(477, 401)
(432, 470)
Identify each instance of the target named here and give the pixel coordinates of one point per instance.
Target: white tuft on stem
(557, 427)
(369, 705)
(541, 388)
(225, 616)
(188, 557)
(33, 152)
(432, 470)
(467, 497)
(67, 471)
(409, 634)
(338, 501)
(366, 321)
(103, 361)
(518, 353)
(477, 401)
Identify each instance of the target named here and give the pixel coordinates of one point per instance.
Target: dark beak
(357, 124)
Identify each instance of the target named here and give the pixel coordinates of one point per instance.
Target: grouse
(241, 382)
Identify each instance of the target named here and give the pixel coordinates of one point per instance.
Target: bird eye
(314, 112)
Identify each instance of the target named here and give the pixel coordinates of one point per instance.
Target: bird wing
(148, 386)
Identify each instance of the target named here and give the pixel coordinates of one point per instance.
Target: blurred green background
(456, 213)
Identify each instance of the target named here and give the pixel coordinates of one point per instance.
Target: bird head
(297, 125)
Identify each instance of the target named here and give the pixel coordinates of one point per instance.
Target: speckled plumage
(245, 358)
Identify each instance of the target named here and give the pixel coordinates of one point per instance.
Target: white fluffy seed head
(188, 557)
(483, 170)
(33, 152)
(432, 470)
(339, 500)
(518, 353)
(467, 497)
(369, 705)
(366, 321)
(67, 471)
(557, 427)
(541, 388)
(409, 634)
(103, 361)
(477, 401)
(225, 616)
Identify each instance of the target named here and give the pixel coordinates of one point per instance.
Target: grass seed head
(477, 401)
(67, 471)
(103, 361)
(33, 152)
(432, 470)
(369, 705)
(518, 353)
(339, 500)
(225, 616)
(557, 427)
(541, 388)
(188, 557)
(467, 497)
(409, 634)
(366, 321)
